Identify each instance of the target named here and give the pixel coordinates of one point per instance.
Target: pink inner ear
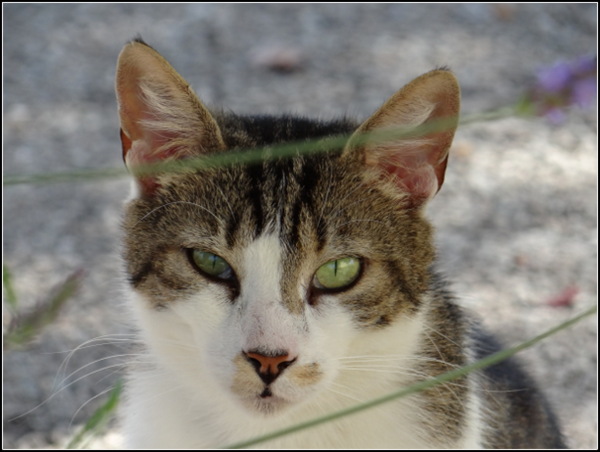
(138, 154)
(415, 168)
(420, 182)
(143, 151)
(151, 149)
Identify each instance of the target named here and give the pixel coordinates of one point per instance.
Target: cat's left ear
(161, 117)
(408, 138)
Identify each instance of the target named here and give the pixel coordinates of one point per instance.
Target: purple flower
(554, 79)
(562, 85)
(584, 92)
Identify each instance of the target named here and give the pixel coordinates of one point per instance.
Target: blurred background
(516, 219)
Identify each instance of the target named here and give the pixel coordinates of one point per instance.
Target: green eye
(211, 264)
(338, 273)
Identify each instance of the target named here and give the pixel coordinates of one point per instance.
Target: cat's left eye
(211, 264)
(337, 274)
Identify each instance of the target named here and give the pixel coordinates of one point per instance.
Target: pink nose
(269, 367)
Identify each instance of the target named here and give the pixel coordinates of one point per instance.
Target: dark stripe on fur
(140, 276)
(255, 173)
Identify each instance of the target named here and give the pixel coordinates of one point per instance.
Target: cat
(271, 291)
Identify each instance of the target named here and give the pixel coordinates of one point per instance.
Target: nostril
(254, 362)
(285, 364)
(269, 366)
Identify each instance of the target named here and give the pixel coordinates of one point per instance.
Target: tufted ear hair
(408, 138)
(161, 117)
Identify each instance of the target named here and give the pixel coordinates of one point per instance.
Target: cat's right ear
(407, 140)
(161, 117)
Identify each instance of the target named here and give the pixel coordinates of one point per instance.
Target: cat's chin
(266, 405)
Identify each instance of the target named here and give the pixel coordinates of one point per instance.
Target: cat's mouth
(261, 394)
(266, 394)
(267, 403)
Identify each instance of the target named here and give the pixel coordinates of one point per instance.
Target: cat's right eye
(337, 274)
(211, 264)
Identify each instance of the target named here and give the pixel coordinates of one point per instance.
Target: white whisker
(93, 363)
(179, 202)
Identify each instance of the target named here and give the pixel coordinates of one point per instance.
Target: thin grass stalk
(98, 420)
(252, 156)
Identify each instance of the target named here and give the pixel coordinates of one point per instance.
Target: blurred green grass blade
(26, 326)
(10, 297)
(86, 175)
(445, 377)
(98, 419)
(249, 156)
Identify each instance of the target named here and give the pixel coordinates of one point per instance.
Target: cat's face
(273, 272)
(260, 283)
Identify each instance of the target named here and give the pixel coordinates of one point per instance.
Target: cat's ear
(408, 138)
(161, 117)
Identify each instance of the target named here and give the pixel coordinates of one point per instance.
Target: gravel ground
(516, 220)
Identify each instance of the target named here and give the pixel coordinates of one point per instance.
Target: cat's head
(255, 278)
